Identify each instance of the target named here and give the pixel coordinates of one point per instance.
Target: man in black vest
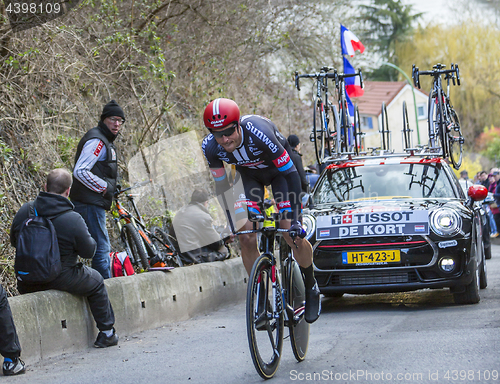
(94, 180)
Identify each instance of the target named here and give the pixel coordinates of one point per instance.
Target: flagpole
(412, 91)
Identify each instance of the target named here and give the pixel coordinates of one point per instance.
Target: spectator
(198, 241)
(494, 188)
(74, 240)
(10, 348)
(94, 180)
(296, 156)
(491, 209)
(483, 179)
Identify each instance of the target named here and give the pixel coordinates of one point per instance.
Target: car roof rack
(377, 153)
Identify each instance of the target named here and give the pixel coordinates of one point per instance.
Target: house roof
(377, 92)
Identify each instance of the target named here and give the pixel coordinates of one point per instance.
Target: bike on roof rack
(445, 135)
(339, 136)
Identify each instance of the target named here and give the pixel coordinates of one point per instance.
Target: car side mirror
(477, 192)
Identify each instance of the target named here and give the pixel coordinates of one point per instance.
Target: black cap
(112, 109)
(199, 196)
(293, 140)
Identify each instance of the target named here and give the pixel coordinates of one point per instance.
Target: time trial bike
(322, 132)
(275, 299)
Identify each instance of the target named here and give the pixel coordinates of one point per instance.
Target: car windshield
(384, 181)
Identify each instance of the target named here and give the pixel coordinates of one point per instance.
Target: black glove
(255, 217)
(296, 230)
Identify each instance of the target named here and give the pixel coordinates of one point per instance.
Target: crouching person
(74, 240)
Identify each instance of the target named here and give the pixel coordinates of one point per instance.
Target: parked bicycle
(275, 299)
(445, 134)
(322, 133)
(341, 136)
(145, 247)
(349, 137)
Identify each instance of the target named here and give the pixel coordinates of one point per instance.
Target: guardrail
(51, 323)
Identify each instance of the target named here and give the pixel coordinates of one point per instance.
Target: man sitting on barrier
(198, 241)
(74, 240)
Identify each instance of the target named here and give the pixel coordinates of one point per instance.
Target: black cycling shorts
(254, 183)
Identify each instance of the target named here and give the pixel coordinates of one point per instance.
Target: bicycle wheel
(384, 132)
(295, 303)
(344, 127)
(135, 245)
(441, 118)
(357, 131)
(318, 133)
(335, 130)
(265, 319)
(406, 128)
(163, 243)
(455, 139)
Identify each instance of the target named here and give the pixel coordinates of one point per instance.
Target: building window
(366, 122)
(422, 111)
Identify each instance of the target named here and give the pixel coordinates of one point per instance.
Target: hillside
(162, 61)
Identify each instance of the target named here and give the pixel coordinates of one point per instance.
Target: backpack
(121, 264)
(37, 252)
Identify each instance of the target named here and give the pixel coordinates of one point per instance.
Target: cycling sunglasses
(226, 132)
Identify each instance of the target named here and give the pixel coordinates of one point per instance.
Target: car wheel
(483, 280)
(471, 293)
(487, 253)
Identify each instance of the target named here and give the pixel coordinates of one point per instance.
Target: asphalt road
(418, 337)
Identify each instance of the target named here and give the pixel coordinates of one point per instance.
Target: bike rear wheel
(384, 132)
(357, 131)
(265, 319)
(318, 134)
(436, 124)
(135, 245)
(344, 127)
(295, 303)
(455, 139)
(163, 243)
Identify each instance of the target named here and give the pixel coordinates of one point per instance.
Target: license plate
(371, 257)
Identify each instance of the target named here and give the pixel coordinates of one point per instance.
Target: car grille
(370, 278)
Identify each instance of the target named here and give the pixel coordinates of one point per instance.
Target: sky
(446, 11)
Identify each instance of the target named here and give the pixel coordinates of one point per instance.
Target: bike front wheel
(318, 134)
(265, 318)
(134, 245)
(384, 129)
(406, 128)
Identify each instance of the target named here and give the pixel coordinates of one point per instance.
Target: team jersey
(261, 156)
(262, 147)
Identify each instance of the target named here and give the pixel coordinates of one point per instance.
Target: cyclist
(261, 156)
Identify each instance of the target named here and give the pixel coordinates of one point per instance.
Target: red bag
(120, 264)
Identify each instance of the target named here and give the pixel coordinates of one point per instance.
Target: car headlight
(309, 224)
(446, 222)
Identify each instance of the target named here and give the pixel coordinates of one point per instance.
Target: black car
(396, 223)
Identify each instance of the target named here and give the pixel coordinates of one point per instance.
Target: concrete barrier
(51, 323)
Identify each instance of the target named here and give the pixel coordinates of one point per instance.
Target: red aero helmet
(221, 112)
